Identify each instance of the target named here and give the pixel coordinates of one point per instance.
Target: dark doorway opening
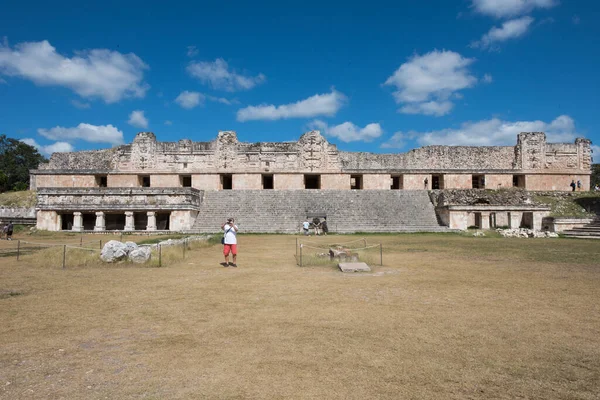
(267, 181)
(356, 182)
(66, 222)
(519, 181)
(186, 181)
(226, 182)
(144, 180)
(140, 221)
(397, 182)
(162, 221)
(89, 221)
(478, 181)
(101, 181)
(115, 222)
(437, 181)
(312, 181)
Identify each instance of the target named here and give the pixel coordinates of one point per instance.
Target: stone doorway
(226, 182)
(140, 221)
(115, 222)
(66, 221)
(312, 181)
(163, 221)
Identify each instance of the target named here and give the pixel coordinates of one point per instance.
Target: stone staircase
(588, 231)
(347, 211)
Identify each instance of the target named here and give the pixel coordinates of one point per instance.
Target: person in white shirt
(306, 226)
(230, 230)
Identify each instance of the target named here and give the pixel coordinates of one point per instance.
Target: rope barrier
(327, 248)
(343, 243)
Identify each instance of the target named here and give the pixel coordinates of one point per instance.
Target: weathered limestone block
(113, 251)
(130, 246)
(140, 255)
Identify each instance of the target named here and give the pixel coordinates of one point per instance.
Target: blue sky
(377, 76)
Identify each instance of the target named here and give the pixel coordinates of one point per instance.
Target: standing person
(4, 230)
(324, 226)
(573, 185)
(306, 226)
(317, 225)
(579, 186)
(230, 230)
(9, 231)
(426, 183)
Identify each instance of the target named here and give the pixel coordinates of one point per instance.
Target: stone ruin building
(272, 187)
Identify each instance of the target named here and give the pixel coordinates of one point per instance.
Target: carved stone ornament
(312, 150)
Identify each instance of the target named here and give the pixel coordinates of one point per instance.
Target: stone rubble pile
(525, 233)
(114, 251)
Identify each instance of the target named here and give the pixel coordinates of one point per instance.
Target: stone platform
(354, 267)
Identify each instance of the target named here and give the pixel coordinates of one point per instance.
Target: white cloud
(85, 132)
(167, 122)
(320, 104)
(348, 132)
(137, 119)
(492, 132)
(192, 51)
(425, 83)
(52, 148)
(511, 29)
(223, 100)
(96, 73)
(218, 75)
(487, 78)
(595, 153)
(80, 104)
(510, 8)
(437, 108)
(189, 100)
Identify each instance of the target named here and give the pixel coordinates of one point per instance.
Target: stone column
(537, 220)
(129, 224)
(100, 221)
(77, 222)
(151, 221)
(485, 220)
(514, 219)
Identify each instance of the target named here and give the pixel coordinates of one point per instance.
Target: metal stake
(381, 254)
(159, 256)
(64, 255)
(300, 254)
(18, 248)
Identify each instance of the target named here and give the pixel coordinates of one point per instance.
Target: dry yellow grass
(446, 317)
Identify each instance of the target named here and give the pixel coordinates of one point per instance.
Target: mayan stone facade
(310, 163)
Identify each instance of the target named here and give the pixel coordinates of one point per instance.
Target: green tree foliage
(16, 159)
(595, 178)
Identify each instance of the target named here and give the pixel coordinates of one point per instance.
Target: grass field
(445, 317)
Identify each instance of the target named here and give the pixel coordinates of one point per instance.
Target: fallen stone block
(354, 267)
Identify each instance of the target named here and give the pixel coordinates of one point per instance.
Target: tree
(16, 159)
(595, 178)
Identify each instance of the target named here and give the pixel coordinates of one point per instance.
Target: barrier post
(100, 244)
(18, 249)
(64, 255)
(184, 246)
(300, 254)
(381, 254)
(296, 249)
(81, 240)
(159, 256)
(365, 242)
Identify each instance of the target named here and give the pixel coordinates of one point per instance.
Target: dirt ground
(446, 317)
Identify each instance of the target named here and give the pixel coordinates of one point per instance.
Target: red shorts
(230, 247)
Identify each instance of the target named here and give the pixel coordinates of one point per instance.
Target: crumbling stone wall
(313, 154)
